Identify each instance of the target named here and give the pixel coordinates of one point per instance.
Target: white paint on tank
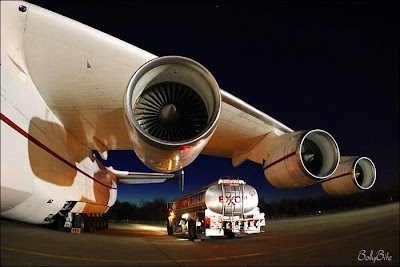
(233, 198)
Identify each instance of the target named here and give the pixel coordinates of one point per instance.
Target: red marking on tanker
(279, 160)
(182, 203)
(45, 148)
(252, 192)
(231, 181)
(231, 200)
(196, 199)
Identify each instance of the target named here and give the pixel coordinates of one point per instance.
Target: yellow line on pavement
(192, 260)
(82, 258)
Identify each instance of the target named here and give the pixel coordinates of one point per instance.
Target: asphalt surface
(368, 236)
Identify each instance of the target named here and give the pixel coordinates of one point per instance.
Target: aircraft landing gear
(79, 222)
(60, 224)
(94, 222)
(86, 222)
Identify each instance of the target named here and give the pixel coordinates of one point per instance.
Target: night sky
(327, 65)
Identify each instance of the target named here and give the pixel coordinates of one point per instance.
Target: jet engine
(353, 175)
(172, 107)
(301, 158)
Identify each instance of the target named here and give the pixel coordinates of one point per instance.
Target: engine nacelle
(172, 106)
(353, 175)
(301, 158)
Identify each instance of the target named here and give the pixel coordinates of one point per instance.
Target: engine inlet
(172, 106)
(171, 111)
(319, 154)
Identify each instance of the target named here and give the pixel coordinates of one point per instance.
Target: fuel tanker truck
(227, 207)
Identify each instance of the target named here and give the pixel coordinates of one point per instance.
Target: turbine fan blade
(171, 111)
(311, 156)
(308, 157)
(359, 174)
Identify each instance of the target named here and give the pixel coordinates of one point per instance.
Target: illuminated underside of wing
(241, 128)
(82, 74)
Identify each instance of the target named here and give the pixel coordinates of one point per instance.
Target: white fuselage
(43, 166)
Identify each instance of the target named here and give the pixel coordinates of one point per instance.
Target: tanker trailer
(227, 207)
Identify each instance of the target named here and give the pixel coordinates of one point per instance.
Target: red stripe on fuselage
(48, 150)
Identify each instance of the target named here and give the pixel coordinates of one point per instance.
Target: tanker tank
(225, 207)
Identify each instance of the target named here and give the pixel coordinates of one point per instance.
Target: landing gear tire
(79, 222)
(92, 224)
(97, 223)
(87, 223)
(192, 230)
(103, 223)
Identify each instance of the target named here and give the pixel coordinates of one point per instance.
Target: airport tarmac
(344, 238)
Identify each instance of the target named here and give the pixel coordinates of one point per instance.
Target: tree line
(287, 207)
(155, 211)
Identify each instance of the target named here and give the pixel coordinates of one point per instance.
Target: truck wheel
(169, 229)
(192, 230)
(229, 234)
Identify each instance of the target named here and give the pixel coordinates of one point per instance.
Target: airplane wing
(241, 128)
(88, 79)
(82, 75)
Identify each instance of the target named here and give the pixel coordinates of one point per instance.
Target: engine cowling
(301, 158)
(172, 107)
(353, 175)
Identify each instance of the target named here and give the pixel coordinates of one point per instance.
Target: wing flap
(126, 177)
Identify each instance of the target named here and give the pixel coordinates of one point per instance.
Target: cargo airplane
(68, 89)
